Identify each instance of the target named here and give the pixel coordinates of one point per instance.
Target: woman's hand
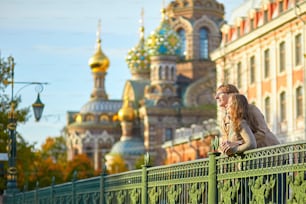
(229, 148)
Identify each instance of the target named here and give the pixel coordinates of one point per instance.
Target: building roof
(243, 9)
(98, 105)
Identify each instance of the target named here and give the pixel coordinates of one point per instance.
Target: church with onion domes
(172, 86)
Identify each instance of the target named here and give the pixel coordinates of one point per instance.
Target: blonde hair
(240, 111)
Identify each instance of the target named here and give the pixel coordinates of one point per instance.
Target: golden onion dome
(99, 62)
(126, 113)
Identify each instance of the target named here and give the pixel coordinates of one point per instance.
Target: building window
(299, 102)
(89, 118)
(203, 43)
(283, 110)
(239, 74)
(104, 118)
(282, 56)
(89, 152)
(252, 24)
(75, 152)
(226, 76)
(182, 52)
(267, 109)
(160, 73)
(168, 134)
(298, 49)
(267, 63)
(252, 69)
(280, 6)
(266, 16)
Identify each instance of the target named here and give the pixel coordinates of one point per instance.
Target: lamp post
(38, 107)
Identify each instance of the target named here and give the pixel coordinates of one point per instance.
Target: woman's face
(222, 98)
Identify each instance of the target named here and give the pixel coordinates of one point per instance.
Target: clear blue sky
(52, 41)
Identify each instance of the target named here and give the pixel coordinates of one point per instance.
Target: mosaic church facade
(172, 85)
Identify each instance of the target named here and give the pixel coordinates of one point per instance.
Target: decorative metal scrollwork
(12, 170)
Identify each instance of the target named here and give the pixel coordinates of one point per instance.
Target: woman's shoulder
(244, 123)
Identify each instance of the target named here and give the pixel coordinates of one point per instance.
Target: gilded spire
(98, 35)
(163, 11)
(141, 29)
(99, 62)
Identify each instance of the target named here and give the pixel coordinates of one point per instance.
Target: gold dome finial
(126, 113)
(163, 11)
(99, 31)
(99, 62)
(141, 29)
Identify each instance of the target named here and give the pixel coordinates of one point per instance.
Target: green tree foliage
(35, 165)
(115, 164)
(24, 162)
(55, 147)
(47, 163)
(82, 165)
(141, 160)
(51, 161)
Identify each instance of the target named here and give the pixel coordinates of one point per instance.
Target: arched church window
(89, 118)
(167, 91)
(154, 90)
(203, 43)
(89, 151)
(182, 53)
(167, 72)
(160, 73)
(104, 118)
(173, 73)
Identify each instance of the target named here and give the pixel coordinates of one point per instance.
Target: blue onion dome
(164, 40)
(138, 59)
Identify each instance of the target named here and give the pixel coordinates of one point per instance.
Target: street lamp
(38, 107)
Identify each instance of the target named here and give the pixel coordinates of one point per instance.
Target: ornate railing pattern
(274, 174)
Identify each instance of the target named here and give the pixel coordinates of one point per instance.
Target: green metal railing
(275, 174)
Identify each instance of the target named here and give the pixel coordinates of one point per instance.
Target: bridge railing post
(74, 179)
(36, 193)
(144, 179)
(212, 178)
(52, 190)
(102, 185)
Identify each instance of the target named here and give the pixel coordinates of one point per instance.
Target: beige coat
(263, 135)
